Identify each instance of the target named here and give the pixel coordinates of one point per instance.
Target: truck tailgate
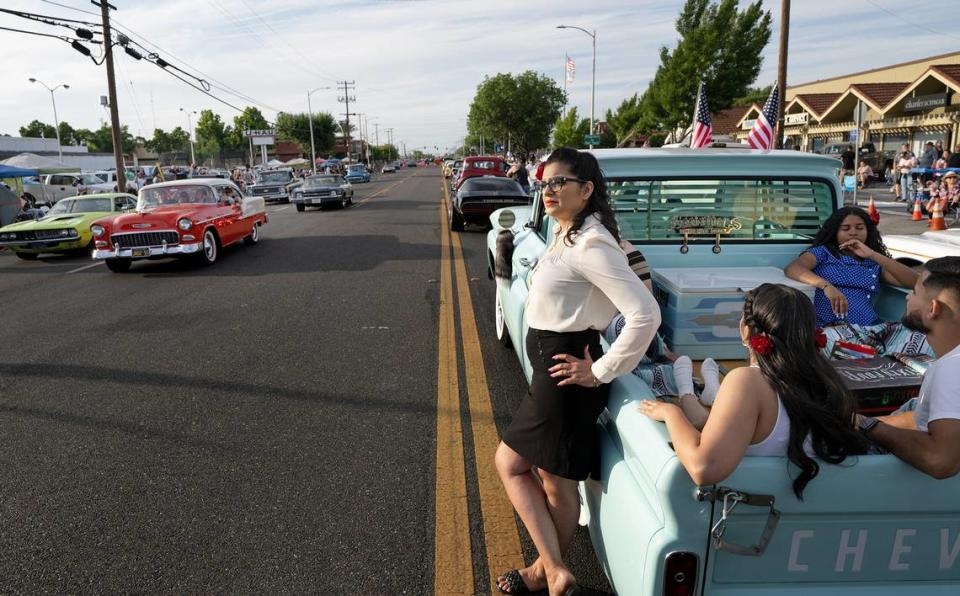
(872, 525)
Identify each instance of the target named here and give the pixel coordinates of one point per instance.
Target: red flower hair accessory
(761, 344)
(820, 338)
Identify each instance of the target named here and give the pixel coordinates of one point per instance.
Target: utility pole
(782, 68)
(376, 133)
(105, 9)
(348, 87)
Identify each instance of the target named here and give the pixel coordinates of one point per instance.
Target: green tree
(719, 45)
(753, 95)
(570, 130)
(385, 152)
(250, 119)
(522, 108)
(101, 140)
(38, 129)
(296, 127)
(211, 135)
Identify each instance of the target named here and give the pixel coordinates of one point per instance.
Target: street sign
(498, 148)
(853, 135)
(591, 140)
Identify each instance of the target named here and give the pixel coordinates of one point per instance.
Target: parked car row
(194, 218)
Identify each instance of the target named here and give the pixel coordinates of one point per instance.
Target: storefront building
(909, 103)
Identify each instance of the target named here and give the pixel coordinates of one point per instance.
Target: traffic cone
(917, 212)
(936, 222)
(872, 211)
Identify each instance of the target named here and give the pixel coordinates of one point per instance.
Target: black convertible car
(478, 197)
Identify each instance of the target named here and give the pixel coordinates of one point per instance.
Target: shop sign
(925, 102)
(800, 118)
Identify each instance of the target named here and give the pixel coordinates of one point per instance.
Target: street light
(56, 123)
(593, 84)
(313, 150)
(193, 155)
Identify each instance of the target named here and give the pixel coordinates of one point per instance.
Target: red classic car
(195, 217)
(482, 165)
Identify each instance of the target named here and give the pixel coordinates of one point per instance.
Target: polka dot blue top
(858, 280)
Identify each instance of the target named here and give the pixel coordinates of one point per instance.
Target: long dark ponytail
(584, 166)
(815, 397)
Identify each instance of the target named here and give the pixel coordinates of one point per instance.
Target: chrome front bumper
(43, 244)
(154, 251)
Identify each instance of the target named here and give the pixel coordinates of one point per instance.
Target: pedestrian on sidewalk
(905, 166)
(926, 161)
(580, 282)
(954, 160)
(864, 174)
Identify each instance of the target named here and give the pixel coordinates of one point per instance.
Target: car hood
(156, 218)
(56, 222)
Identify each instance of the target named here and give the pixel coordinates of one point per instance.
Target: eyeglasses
(558, 182)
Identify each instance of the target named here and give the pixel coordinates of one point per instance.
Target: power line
(909, 22)
(156, 47)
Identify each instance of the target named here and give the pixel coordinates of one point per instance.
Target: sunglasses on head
(558, 182)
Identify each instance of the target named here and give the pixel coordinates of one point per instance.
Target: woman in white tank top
(788, 403)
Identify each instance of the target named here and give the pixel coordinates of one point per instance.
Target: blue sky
(416, 63)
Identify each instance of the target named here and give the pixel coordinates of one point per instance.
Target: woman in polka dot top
(847, 263)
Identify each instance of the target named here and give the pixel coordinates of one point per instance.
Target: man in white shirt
(928, 438)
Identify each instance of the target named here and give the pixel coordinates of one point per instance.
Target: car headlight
(97, 230)
(8, 236)
(283, 191)
(184, 224)
(66, 233)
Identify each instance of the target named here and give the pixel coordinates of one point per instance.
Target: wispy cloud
(416, 63)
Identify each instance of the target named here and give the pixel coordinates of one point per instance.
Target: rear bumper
(317, 200)
(154, 251)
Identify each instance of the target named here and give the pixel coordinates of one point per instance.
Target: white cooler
(701, 307)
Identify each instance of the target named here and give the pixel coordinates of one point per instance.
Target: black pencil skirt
(555, 426)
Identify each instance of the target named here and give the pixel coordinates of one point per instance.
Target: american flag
(571, 69)
(702, 130)
(761, 135)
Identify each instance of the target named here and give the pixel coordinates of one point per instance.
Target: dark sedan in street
(319, 191)
(478, 197)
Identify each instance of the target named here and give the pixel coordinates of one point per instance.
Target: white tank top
(775, 444)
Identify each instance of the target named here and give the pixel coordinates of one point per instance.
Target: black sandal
(514, 584)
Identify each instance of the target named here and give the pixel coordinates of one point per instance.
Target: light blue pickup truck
(713, 223)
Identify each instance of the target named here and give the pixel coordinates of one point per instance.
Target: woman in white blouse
(580, 282)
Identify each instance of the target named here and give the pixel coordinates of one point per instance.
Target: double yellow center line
(453, 557)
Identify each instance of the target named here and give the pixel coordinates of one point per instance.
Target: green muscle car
(66, 227)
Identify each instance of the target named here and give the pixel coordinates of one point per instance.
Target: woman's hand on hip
(573, 370)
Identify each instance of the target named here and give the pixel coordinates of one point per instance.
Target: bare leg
(564, 505)
(530, 501)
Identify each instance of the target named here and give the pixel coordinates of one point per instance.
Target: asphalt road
(267, 424)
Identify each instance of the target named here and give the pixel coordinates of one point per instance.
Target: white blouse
(573, 288)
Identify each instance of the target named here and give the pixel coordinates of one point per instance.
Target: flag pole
(696, 108)
(566, 76)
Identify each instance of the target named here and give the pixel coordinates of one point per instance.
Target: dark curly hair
(584, 166)
(816, 399)
(827, 236)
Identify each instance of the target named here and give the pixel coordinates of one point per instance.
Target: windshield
(152, 196)
(65, 206)
(737, 209)
(274, 178)
(357, 168)
(321, 181)
(91, 179)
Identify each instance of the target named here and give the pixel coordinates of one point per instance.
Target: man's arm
(936, 452)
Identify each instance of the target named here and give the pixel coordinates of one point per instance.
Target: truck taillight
(680, 574)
